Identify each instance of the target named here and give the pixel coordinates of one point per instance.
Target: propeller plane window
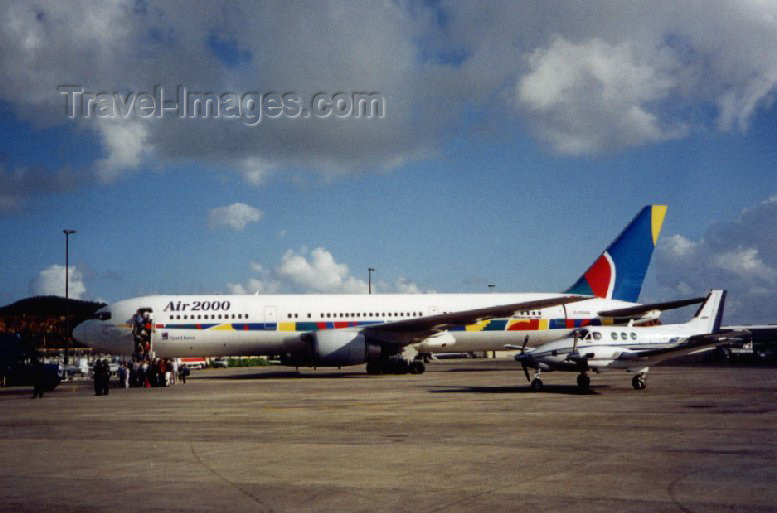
(614, 336)
(597, 335)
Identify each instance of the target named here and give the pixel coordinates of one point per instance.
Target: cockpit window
(103, 316)
(582, 333)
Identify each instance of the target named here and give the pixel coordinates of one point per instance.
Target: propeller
(523, 361)
(573, 354)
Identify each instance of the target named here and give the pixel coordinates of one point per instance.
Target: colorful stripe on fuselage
(489, 325)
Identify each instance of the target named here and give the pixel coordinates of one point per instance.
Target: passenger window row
(208, 316)
(358, 315)
(624, 336)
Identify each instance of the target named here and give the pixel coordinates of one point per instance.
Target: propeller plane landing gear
(536, 384)
(583, 382)
(417, 367)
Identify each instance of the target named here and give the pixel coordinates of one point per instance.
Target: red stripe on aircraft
(598, 276)
(525, 325)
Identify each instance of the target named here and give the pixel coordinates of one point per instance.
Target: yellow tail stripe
(658, 212)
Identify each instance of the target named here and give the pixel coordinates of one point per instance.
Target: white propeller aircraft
(629, 348)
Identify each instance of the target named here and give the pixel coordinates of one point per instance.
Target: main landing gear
(583, 382)
(639, 382)
(395, 366)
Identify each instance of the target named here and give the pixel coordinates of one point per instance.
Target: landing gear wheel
(583, 382)
(417, 367)
(536, 385)
(639, 382)
(374, 368)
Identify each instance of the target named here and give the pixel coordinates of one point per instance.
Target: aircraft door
(270, 314)
(143, 332)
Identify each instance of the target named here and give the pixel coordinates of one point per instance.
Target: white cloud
(255, 171)
(318, 272)
(737, 255)
(314, 271)
(51, 281)
(591, 77)
(126, 143)
(590, 96)
(235, 216)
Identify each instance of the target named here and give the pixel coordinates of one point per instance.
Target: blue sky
(517, 140)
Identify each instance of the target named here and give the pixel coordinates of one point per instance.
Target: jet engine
(335, 348)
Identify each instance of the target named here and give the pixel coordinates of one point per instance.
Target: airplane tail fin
(709, 315)
(618, 273)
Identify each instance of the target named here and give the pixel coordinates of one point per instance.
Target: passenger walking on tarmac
(184, 371)
(40, 380)
(135, 373)
(123, 375)
(97, 377)
(106, 377)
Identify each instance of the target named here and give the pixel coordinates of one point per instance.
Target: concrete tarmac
(465, 436)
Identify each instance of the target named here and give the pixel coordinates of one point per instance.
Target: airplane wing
(408, 331)
(638, 311)
(693, 344)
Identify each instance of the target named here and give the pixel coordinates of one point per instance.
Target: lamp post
(370, 270)
(491, 286)
(68, 233)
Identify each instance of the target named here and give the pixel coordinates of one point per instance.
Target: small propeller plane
(630, 348)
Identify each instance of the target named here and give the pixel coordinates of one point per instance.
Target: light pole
(491, 286)
(370, 270)
(68, 233)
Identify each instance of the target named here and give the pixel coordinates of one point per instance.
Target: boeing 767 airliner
(384, 331)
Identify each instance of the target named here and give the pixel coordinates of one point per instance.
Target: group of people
(141, 331)
(101, 374)
(144, 373)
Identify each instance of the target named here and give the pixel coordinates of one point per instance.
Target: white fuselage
(227, 325)
(607, 347)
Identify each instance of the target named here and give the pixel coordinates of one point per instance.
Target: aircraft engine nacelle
(335, 348)
(600, 356)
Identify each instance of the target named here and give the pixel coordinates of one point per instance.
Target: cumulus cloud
(737, 255)
(591, 77)
(126, 143)
(314, 271)
(235, 216)
(255, 170)
(590, 96)
(51, 281)
(318, 272)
